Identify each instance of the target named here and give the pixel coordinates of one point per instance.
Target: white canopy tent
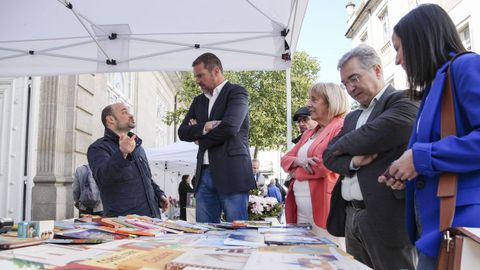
(179, 157)
(169, 163)
(53, 37)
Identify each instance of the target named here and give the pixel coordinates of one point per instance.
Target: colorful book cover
(285, 230)
(287, 239)
(251, 224)
(112, 261)
(190, 225)
(89, 234)
(109, 222)
(58, 255)
(155, 259)
(15, 263)
(274, 260)
(13, 242)
(245, 240)
(181, 227)
(144, 232)
(211, 259)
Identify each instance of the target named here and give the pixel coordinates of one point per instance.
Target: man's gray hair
(367, 56)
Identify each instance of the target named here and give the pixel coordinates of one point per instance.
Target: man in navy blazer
(218, 122)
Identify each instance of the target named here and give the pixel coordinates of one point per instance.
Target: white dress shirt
(350, 186)
(211, 100)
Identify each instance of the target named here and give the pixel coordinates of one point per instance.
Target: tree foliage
(267, 97)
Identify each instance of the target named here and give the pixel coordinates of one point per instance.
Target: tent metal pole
(289, 107)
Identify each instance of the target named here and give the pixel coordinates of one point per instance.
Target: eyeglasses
(352, 80)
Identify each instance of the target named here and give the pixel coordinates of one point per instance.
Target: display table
(249, 248)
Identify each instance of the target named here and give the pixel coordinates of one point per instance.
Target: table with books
(138, 242)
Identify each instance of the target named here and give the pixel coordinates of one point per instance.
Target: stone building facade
(47, 124)
(372, 21)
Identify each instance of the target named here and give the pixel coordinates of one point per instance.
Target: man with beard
(121, 169)
(218, 121)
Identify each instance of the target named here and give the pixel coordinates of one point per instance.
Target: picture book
(155, 259)
(287, 239)
(58, 255)
(111, 261)
(13, 242)
(211, 259)
(89, 234)
(274, 260)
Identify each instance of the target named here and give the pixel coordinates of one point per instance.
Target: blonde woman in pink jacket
(308, 197)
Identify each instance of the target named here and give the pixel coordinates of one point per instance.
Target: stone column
(52, 194)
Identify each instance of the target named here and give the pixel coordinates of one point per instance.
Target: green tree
(267, 98)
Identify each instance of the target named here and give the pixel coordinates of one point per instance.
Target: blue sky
(323, 36)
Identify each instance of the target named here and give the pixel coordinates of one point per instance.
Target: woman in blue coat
(426, 40)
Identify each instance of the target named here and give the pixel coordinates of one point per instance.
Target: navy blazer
(227, 144)
(459, 154)
(126, 185)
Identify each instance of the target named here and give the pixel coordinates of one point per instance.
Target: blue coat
(126, 185)
(459, 154)
(274, 191)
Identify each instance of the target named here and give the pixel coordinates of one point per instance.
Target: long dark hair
(427, 35)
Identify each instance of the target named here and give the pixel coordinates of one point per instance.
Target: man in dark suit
(218, 121)
(369, 215)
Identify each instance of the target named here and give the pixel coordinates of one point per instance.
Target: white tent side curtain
(53, 37)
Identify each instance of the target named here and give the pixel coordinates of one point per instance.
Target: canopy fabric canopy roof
(52, 37)
(179, 157)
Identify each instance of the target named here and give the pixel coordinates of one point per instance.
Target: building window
(464, 33)
(364, 37)
(383, 17)
(120, 88)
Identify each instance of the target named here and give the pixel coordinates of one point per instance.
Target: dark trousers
(89, 211)
(366, 246)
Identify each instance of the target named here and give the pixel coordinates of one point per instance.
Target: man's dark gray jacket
(126, 185)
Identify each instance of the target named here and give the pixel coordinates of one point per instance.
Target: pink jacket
(322, 180)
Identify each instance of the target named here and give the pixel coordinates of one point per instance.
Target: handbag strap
(447, 184)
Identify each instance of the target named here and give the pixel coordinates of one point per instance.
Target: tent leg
(289, 107)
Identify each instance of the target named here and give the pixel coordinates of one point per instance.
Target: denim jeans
(210, 203)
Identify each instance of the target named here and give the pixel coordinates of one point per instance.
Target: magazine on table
(90, 234)
(57, 255)
(293, 261)
(287, 239)
(211, 259)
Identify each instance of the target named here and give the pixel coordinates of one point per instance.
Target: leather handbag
(460, 247)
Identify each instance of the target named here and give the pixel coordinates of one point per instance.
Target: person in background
(308, 198)
(283, 190)
(426, 40)
(121, 170)
(85, 192)
(273, 191)
(184, 188)
(259, 178)
(304, 122)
